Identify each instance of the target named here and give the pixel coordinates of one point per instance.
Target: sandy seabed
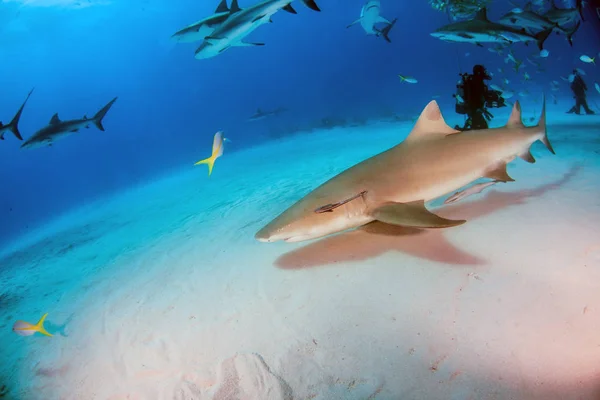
(162, 292)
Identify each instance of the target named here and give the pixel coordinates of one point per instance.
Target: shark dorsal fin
(430, 122)
(234, 6)
(515, 116)
(481, 15)
(222, 7)
(54, 120)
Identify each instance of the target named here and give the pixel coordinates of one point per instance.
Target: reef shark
(369, 17)
(197, 31)
(58, 129)
(239, 25)
(565, 16)
(481, 30)
(13, 125)
(393, 186)
(260, 114)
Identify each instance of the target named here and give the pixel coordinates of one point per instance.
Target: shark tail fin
(542, 127)
(39, 327)
(385, 31)
(579, 6)
(311, 4)
(13, 126)
(542, 36)
(102, 113)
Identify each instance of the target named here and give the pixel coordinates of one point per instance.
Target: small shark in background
(217, 151)
(392, 187)
(369, 17)
(535, 23)
(260, 114)
(197, 31)
(58, 129)
(23, 328)
(232, 32)
(13, 126)
(481, 30)
(565, 16)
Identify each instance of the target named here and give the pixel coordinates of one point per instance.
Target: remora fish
(480, 30)
(239, 25)
(369, 17)
(58, 129)
(393, 186)
(475, 189)
(260, 114)
(197, 31)
(13, 126)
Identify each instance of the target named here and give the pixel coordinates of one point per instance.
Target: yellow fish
(23, 328)
(217, 151)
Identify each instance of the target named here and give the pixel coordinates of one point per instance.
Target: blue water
(117, 211)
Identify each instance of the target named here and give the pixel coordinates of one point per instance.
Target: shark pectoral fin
(499, 173)
(412, 214)
(289, 9)
(212, 40)
(246, 44)
(478, 44)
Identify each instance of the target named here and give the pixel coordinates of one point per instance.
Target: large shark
(239, 25)
(481, 30)
(534, 23)
(13, 125)
(58, 129)
(197, 31)
(393, 186)
(369, 17)
(565, 16)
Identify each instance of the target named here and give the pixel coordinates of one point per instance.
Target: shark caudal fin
(39, 327)
(542, 36)
(102, 113)
(542, 126)
(217, 151)
(385, 31)
(13, 126)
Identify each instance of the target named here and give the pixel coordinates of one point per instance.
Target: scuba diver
(474, 97)
(579, 88)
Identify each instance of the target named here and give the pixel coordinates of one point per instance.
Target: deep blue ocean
(80, 54)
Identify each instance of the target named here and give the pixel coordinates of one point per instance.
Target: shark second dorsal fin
(222, 7)
(234, 7)
(515, 120)
(54, 120)
(481, 15)
(430, 122)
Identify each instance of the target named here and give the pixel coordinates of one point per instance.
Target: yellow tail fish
(23, 328)
(217, 151)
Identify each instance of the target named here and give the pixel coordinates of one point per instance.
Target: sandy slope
(505, 306)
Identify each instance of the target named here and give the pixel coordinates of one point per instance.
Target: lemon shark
(197, 31)
(13, 125)
(369, 17)
(393, 186)
(58, 129)
(239, 25)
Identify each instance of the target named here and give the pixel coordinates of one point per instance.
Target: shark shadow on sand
(377, 238)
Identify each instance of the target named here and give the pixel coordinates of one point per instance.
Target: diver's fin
(412, 214)
(39, 327)
(499, 173)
